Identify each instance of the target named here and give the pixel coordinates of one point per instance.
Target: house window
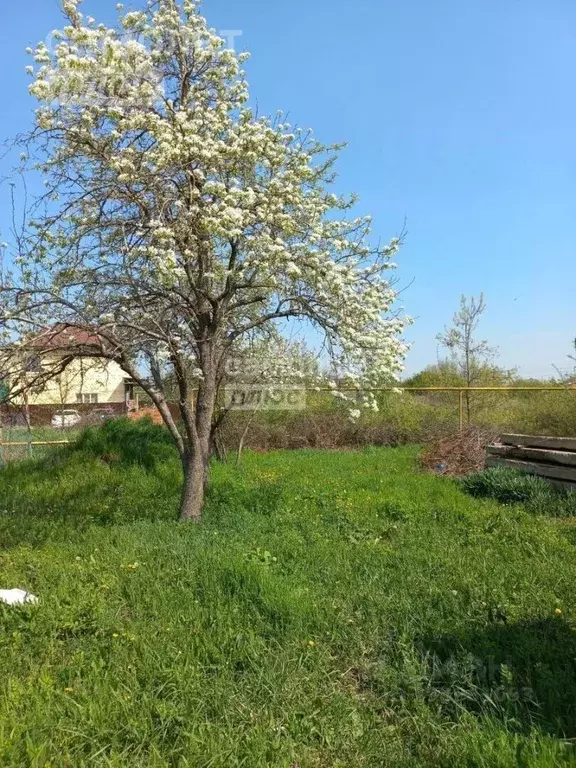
(87, 399)
(34, 364)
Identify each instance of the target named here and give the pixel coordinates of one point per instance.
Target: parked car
(99, 416)
(66, 418)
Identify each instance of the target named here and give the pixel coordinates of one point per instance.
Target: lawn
(335, 610)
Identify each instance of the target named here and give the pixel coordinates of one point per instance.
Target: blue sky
(459, 116)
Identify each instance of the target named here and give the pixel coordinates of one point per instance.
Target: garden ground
(335, 609)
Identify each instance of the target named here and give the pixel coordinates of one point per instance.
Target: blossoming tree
(177, 222)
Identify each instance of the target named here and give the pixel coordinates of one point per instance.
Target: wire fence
(474, 401)
(18, 443)
(416, 415)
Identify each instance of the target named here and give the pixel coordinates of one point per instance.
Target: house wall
(85, 376)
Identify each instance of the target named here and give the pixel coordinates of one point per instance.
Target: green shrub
(409, 418)
(122, 441)
(505, 485)
(509, 486)
(548, 413)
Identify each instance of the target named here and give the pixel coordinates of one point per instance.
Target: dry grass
(458, 454)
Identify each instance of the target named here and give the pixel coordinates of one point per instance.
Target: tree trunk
(196, 460)
(195, 466)
(217, 446)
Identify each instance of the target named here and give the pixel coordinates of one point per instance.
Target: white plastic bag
(17, 597)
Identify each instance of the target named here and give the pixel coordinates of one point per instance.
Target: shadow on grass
(524, 673)
(230, 504)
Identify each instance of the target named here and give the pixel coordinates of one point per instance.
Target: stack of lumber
(553, 458)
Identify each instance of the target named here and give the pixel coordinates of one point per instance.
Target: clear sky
(460, 116)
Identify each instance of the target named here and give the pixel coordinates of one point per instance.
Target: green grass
(335, 610)
(512, 487)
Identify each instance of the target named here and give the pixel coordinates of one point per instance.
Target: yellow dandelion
(558, 612)
(69, 690)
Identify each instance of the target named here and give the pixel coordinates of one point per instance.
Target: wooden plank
(538, 441)
(542, 470)
(562, 485)
(533, 454)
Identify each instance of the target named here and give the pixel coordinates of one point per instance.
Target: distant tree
(262, 365)
(569, 377)
(573, 359)
(473, 358)
(445, 373)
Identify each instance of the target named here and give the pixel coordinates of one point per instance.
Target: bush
(410, 418)
(401, 420)
(551, 413)
(505, 485)
(512, 487)
(121, 441)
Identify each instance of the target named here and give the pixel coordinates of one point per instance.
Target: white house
(86, 380)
